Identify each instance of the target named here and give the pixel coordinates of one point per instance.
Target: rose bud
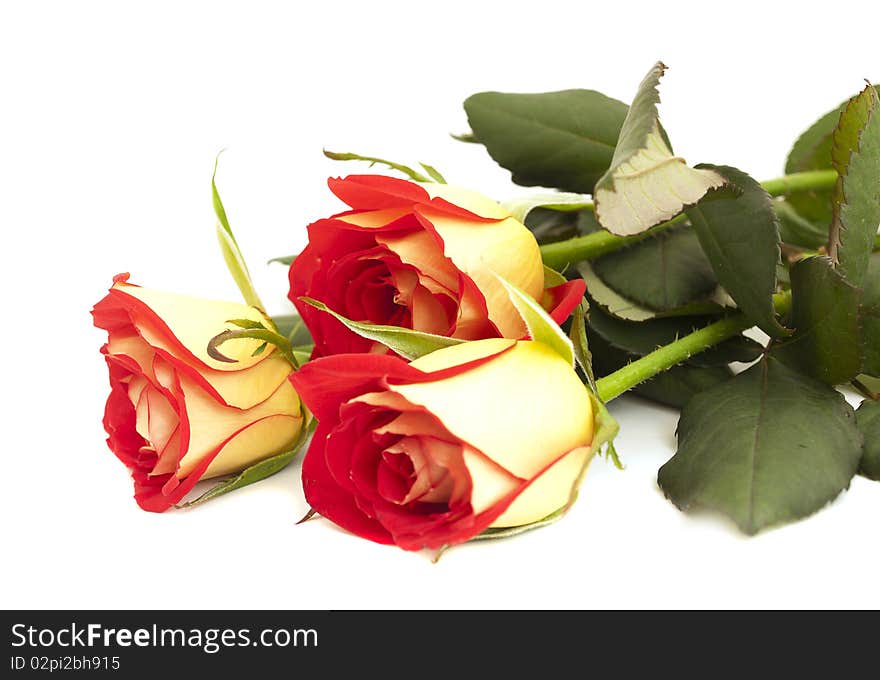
(420, 256)
(432, 453)
(176, 415)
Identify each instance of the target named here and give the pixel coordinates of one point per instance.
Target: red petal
(564, 298)
(377, 192)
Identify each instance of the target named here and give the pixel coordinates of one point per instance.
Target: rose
(421, 257)
(432, 453)
(176, 415)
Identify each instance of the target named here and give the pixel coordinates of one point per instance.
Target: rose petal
(548, 492)
(376, 192)
(495, 406)
(561, 300)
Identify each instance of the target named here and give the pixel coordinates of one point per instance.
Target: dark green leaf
(856, 208)
(870, 318)
(623, 308)
(646, 184)
(561, 139)
(642, 337)
(549, 226)
(766, 447)
(825, 316)
(739, 232)
(799, 231)
(868, 418)
(677, 386)
(662, 272)
(257, 471)
(812, 151)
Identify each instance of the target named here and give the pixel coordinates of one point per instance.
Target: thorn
(309, 515)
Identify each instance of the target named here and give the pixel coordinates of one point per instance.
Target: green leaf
(372, 160)
(856, 206)
(812, 151)
(768, 446)
(229, 247)
(623, 308)
(286, 260)
(561, 139)
(611, 300)
(825, 315)
(521, 206)
(869, 314)
(739, 232)
(646, 184)
(643, 337)
(257, 471)
(796, 230)
(868, 419)
(406, 342)
(541, 327)
(549, 225)
(662, 272)
(677, 386)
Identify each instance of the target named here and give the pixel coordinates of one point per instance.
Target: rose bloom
(431, 453)
(176, 415)
(420, 256)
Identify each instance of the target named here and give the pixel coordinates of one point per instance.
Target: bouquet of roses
(450, 358)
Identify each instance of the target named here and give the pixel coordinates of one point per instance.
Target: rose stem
(558, 255)
(615, 384)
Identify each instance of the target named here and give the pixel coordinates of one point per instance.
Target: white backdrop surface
(111, 114)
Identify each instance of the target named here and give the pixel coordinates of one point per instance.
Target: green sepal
(229, 247)
(406, 342)
(414, 175)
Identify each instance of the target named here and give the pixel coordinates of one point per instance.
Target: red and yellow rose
(432, 453)
(175, 415)
(420, 256)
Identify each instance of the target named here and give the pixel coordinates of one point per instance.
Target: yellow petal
(506, 248)
(211, 423)
(374, 218)
(194, 321)
(490, 483)
(523, 409)
(421, 250)
(469, 200)
(260, 440)
(547, 493)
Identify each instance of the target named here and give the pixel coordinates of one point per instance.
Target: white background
(111, 114)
